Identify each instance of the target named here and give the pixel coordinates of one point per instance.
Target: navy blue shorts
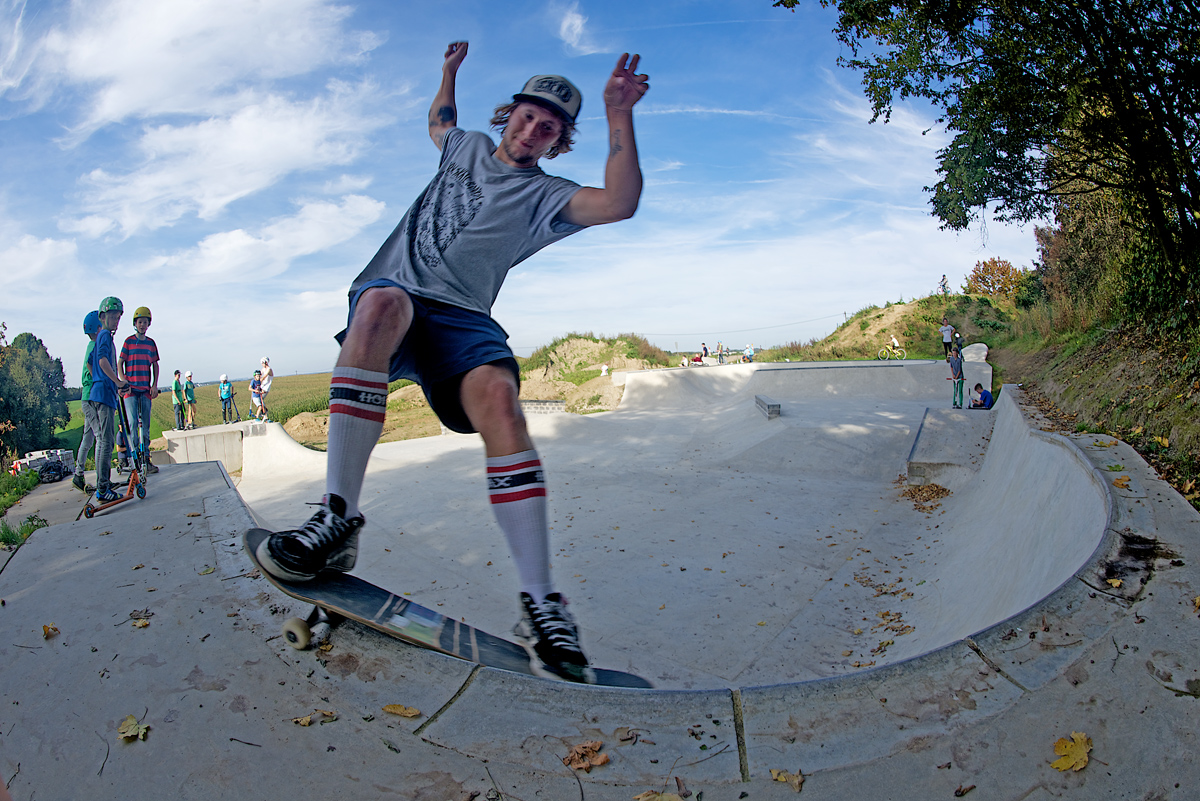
(442, 345)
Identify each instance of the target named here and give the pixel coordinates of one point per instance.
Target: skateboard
(336, 596)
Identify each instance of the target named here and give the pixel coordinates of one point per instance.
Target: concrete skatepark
(792, 608)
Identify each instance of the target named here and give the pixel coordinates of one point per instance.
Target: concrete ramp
(704, 545)
(950, 447)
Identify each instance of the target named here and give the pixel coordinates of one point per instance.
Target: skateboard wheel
(297, 633)
(141, 491)
(88, 511)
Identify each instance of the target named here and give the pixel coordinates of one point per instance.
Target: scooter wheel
(140, 490)
(88, 511)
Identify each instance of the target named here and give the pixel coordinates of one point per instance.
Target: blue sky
(233, 165)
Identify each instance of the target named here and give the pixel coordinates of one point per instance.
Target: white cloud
(344, 184)
(314, 301)
(146, 58)
(33, 263)
(239, 255)
(573, 31)
(203, 167)
(18, 52)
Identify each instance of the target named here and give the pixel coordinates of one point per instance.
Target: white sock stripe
(359, 375)
(498, 462)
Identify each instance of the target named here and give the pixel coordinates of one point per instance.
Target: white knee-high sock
(357, 406)
(517, 490)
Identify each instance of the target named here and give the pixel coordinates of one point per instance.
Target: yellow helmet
(142, 311)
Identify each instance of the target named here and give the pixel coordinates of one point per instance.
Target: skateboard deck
(353, 598)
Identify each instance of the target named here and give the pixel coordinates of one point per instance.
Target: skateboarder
(421, 310)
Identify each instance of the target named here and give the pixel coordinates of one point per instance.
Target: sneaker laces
(554, 624)
(322, 532)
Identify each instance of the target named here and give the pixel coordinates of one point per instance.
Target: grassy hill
(1142, 388)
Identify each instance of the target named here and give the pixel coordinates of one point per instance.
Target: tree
(995, 277)
(31, 390)
(1052, 98)
(1089, 241)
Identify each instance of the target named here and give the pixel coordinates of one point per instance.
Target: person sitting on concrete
(984, 399)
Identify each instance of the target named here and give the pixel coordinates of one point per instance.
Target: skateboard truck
(301, 632)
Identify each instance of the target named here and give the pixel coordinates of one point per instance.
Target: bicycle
(891, 351)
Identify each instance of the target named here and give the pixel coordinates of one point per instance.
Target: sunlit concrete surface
(703, 545)
(1053, 591)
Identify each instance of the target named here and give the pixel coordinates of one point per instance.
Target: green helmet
(111, 304)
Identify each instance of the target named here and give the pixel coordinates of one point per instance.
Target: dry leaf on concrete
(49, 631)
(130, 729)
(1121, 483)
(1114, 583)
(403, 711)
(1074, 752)
(652, 795)
(585, 756)
(793, 780)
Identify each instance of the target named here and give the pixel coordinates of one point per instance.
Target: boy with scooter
(106, 383)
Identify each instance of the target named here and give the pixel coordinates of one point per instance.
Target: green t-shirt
(190, 389)
(86, 381)
(176, 392)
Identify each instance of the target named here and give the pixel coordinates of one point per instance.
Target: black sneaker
(326, 541)
(82, 486)
(550, 635)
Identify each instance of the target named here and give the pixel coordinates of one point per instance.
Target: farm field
(290, 395)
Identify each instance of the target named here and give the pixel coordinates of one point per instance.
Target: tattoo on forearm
(444, 115)
(615, 146)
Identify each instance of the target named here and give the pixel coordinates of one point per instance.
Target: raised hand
(455, 53)
(624, 87)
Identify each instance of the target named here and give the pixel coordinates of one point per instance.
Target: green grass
(14, 488)
(290, 395)
(69, 436)
(579, 377)
(15, 536)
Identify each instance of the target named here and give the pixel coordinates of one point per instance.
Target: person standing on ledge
(421, 310)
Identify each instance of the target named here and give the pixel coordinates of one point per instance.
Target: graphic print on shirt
(450, 204)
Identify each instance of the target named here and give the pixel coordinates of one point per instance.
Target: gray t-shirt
(956, 366)
(477, 219)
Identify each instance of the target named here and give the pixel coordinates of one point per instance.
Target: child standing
(268, 375)
(189, 392)
(106, 382)
(225, 391)
(91, 327)
(138, 364)
(256, 395)
(177, 401)
(956, 375)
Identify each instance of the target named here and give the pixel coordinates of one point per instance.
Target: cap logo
(552, 86)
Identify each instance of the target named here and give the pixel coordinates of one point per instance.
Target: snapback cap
(555, 92)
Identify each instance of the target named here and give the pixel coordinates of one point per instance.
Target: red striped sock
(517, 490)
(357, 407)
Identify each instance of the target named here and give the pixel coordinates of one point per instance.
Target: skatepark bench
(766, 405)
